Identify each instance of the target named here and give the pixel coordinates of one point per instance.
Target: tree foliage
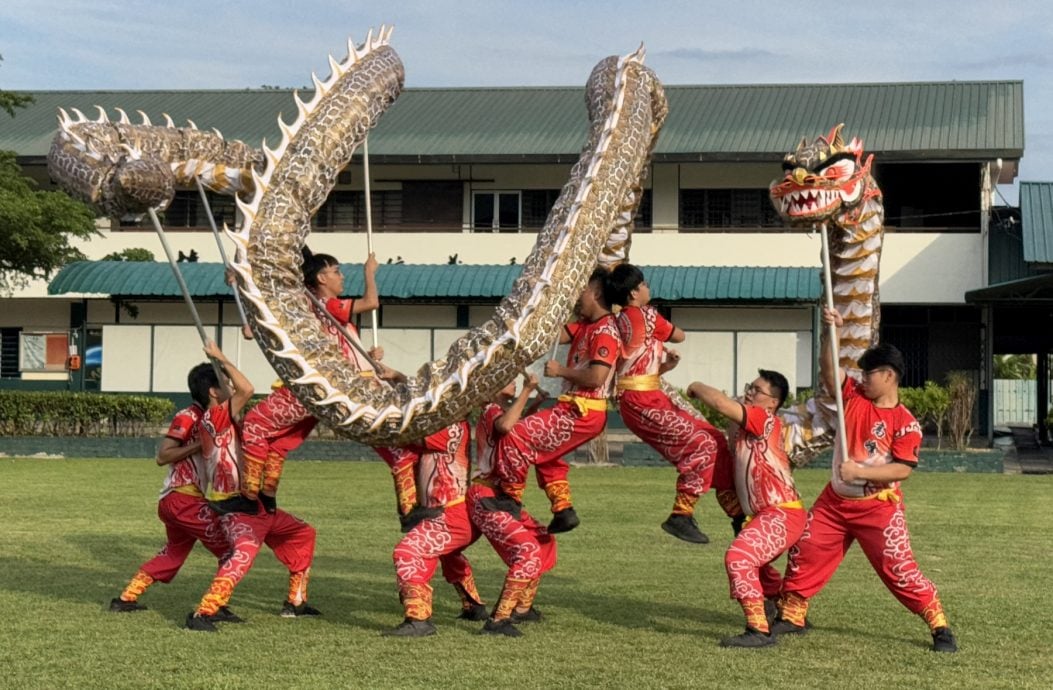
(130, 254)
(10, 100)
(36, 227)
(1020, 367)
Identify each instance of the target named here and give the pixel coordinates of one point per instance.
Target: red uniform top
(592, 342)
(761, 468)
(342, 310)
(442, 471)
(876, 436)
(642, 331)
(187, 475)
(220, 446)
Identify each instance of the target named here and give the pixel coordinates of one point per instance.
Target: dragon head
(822, 180)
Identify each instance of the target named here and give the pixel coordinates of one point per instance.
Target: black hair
(883, 355)
(200, 379)
(778, 382)
(621, 282)
(313, 264)
(601, 275)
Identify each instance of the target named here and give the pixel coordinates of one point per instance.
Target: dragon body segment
(123, 169)
(626, 107)
(827, 181)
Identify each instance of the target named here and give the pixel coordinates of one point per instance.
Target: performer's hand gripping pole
(220, 376)
(369, 222)
(351, 340)
(834, 344)
(223, 255)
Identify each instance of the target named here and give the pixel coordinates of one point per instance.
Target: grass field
(627, 606)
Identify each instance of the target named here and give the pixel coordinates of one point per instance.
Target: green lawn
(627, 606)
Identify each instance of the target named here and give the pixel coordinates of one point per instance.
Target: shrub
(56, 413)
(962, 392)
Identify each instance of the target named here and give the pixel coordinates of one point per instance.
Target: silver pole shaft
(186, 293)
(834, 345)
(369, 224)
(222, 250)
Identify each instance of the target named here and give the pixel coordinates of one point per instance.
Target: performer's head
(593, 304)
(626, 286)
(204, 386)
(768, 390)
(321, 274)
(882, 367)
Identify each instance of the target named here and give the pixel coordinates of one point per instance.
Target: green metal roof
(1036, 221)
(967, 120)
(152, 279)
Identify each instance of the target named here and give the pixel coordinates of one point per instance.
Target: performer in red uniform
(526, 547)
(757, 481)
(279, 424)
(579, 415)
(442, 474)
(690, 444)
(291, 539)
(183, 510)
(863, 501)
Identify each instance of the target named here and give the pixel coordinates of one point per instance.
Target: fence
(1015, 402)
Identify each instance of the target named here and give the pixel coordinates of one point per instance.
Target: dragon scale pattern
(626, 108)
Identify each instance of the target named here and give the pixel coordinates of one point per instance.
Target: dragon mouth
(810, 203)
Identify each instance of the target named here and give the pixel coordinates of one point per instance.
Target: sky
(194, 44)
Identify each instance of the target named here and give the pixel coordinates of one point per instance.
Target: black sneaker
(563, 521)
(771, 611)
(235, 504)
(503, 503)
(292, 611)
(737, 522)
(684, 527)
(477, 612)
(411, 628)
(225, 615)
(749, 639)
(122, 606)
(501, 627)
(781, 626)
(943, 641)
(270, 503)
(199, 623)
(531, 615)
(417, 515)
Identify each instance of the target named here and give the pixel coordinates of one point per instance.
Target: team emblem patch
(604, 352)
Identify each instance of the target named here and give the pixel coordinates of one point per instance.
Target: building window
(41, 352)
(537, 203)
(346, 210)
(496, 211)
(727, 209)
(9, 353)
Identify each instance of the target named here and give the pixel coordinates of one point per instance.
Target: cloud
(703, 55)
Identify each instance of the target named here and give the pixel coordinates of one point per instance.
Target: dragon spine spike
(102, 115)
(124, 117)
(146, 119)
(191, 124)
(352, 54)
(301, 107)
(80, 116)
(169, 123)
(219, 135)
(335, 71)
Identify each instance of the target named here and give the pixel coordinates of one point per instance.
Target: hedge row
(56, 413)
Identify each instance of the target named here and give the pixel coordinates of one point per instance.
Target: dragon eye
(841, 170)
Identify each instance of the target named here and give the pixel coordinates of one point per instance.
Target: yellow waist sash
(457, 501)
(583, 405)
(189, 490)
(647, 382)
(789, 505)
(889, 495)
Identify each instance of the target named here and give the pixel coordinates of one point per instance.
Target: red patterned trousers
(542, 439)
(763, 539)
(880, 527)
(290, 538)
(688, 443)
(187, 520)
